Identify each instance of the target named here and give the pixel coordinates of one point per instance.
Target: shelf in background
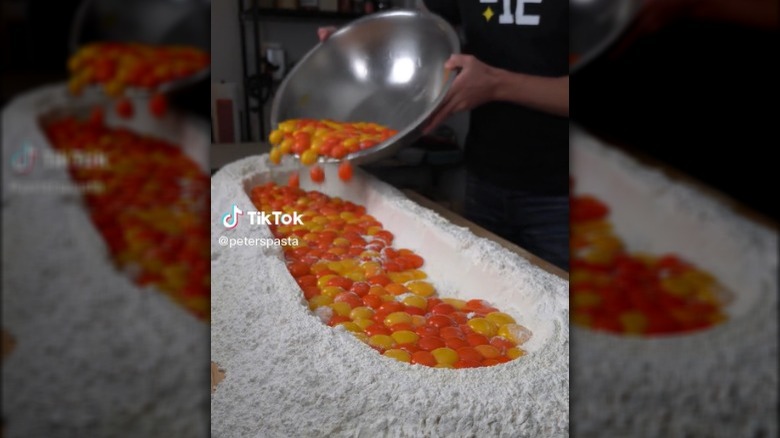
(226, 153)
(298, 14)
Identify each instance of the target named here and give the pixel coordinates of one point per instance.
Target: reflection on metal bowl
(595, 24)
(385, 68)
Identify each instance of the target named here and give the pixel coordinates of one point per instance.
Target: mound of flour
(718, 382)
(95, 355)
(288, 374)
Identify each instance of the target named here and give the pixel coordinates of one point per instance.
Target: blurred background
(255, 43)
(31, 57)
(104, 224)
(680, 86)
(671, 135)
(687, 83)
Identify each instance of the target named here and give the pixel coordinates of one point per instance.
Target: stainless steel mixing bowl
(386, 68)
(595, 24)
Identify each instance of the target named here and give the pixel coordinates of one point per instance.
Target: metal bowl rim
(629, 15)
(454, 43)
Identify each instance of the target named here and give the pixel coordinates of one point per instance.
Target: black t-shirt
(508, 144)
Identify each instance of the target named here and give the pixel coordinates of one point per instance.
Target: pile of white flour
(713, 383)
(95, 355)
(288, 374)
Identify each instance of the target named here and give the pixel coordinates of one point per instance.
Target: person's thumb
(325, 32)
(455, 61)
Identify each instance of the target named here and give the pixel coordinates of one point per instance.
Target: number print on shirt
(519, 17)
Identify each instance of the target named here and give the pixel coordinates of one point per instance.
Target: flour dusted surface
(95, 355)
(715, 383)
(288, 374)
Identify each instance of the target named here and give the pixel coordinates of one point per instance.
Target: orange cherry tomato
(317, 174)
(294, 180)
(345, 171)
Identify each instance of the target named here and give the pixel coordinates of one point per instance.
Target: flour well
(288, 374)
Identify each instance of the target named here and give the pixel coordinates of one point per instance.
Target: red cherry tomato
(124, 108)
(423, 358)
(430, 343)
(294, 181)
(158, 105)
(301, 145)
(440, 321)
(345, 171)
(338, 152)
(97, 116)
(317, 174)
(587, 208)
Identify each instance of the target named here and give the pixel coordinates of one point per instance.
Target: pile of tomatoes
(638, 294)
(310, 139)
(152, 211)
(117, 66)
(354, 279)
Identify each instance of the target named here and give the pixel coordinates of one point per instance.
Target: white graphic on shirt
(519, 18)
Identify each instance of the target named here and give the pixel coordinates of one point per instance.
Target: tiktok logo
(23, 159)
(230, 219)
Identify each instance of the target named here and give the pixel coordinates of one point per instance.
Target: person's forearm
(546, 94)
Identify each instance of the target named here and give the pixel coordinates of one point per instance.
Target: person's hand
(324, 33)
(474, 85)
